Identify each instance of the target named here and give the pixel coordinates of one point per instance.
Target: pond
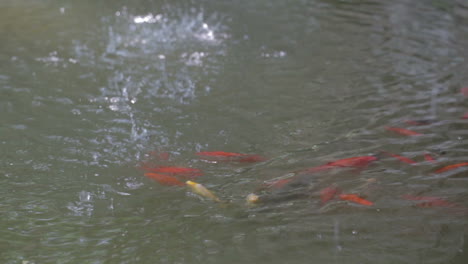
(96, 94)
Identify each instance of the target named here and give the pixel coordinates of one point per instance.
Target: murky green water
(88, 88)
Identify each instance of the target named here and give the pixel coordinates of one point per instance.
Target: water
(88, 89)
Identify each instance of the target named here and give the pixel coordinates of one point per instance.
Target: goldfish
(202, 190)
(356, 199)
(175, 170)
(219, 154)
(451, 167)
(401, 158)
(164, 179)
(329, 193)
(403, 131)
(357, 162)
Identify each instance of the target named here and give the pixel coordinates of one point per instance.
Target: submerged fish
(175, 170)
(401, 158)
(403, 131)
(356, 199)
(421, 122)
(329, 193)
(428, 157)
(465, 116)
(230, 156)
(451, 167)
(464, 91)
(355, 162)
(429, 201)
(164, 179)
(202, 190)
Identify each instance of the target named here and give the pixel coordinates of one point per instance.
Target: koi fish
(428, 157)
(401, 158)
(252, 158)
(403, 131)
(356, 162)
(278, 183)
(429, 201)
(451, 167)
(176, 170)
(356, 199)
(328, 193)
(202, 190)
(164, 179)
(252, 198)
(421, 122)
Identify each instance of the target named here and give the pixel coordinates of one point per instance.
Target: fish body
(421, 122)
(465, 116)
(451, 167)
(219, 154)
(356, 162)
(428, 157)
(403, 131)
(401, 158)
(464, 91)
(202, 190)
(328, 193)
(356, 199)
(429, 201)
(252, 158)
(164, 179)
(175, 170)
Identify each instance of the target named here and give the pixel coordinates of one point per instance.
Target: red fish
(428, 157)
(356, 162)
(176, 170)
(219, 154)
(403, 131)
(421, 122)
(401, 158)
(329, 193)
(356, 199)
(429, 201)
(164, 179)
(464, 91)
(465, 116)
(451, 167)
(230, 156)
(278, 183)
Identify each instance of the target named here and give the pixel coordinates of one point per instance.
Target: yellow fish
(202, 190)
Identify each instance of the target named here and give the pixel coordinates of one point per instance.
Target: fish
(356, 162)
(175, 170)
(202, 191)
(231, 156)
(328, 193)
(278, 183)
(420, 122)
(465, 116)
(403, 131)
(401, 158)
(428, 157)
(252, 199)
(429, 201)
(219, 154)
(451, 167)
(464, 91)
(356, 199)
(164, 179)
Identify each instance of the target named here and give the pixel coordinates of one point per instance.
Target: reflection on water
(89, 89)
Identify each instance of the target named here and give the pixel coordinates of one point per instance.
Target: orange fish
(451, 167)
(230, 156)
(356, 162)
(356, 199)
(252, 158)
(428, 157)
(164, 179)
(329, 193)
(176, 170)
(401, 158)
(403, 131)
(277, 184)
